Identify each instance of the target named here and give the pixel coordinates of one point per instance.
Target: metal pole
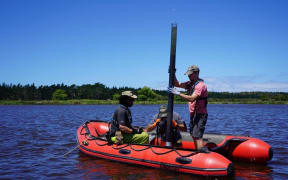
(172, 71)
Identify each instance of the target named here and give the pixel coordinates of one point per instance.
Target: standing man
(197, 101)
(121, 126)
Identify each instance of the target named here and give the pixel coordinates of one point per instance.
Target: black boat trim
(227, 142)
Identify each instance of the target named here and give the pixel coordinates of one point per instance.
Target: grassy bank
(92, 101)
(245, 101)
(72, 102)
(57, 102)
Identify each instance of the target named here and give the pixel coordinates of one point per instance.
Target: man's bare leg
(199, 143)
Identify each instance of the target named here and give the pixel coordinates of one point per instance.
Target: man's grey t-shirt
(162, 126)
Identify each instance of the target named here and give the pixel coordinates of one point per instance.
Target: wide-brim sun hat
(129, 94)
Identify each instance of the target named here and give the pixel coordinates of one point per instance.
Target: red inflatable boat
(91, 140)
(236, 148)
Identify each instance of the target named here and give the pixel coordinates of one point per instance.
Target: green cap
(192, 69)
(163, 111)
(129, 94)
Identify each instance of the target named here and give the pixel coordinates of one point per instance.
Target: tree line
(101, 92)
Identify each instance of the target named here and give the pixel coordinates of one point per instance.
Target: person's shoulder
(118, 108)
(178, 118)
(155, 116)
(201, 84)
(176, 115)
(200, 81)
(121, 109)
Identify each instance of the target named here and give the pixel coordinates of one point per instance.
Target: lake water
(35, 138)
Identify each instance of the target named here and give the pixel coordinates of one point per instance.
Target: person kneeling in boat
(160, 120)
(121, 126)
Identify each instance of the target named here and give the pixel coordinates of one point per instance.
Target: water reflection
(97, 168)
(252, 171)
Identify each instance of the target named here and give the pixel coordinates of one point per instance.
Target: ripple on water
(35, 138)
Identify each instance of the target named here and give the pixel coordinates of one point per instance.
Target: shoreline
(112, 102)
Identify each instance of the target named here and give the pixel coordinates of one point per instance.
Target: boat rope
(148, 147)
(98, 138)
(139, 149)
(90, 137)
(71, 150)
(78, 145)
(117, 148)
(188, 155)
(163, 152)
(82, 130)
(101, 144)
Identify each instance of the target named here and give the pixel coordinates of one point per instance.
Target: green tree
(116, 96)
(59, 94)
(146, 94)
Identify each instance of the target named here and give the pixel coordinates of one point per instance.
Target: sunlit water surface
(35, 138)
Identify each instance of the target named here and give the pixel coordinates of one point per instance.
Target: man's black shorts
(197, 125)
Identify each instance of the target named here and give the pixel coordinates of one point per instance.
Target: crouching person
(121, 130)
(160, 120)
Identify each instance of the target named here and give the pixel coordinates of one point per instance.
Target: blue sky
(239, 45)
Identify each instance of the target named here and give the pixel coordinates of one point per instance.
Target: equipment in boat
(171, 85)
